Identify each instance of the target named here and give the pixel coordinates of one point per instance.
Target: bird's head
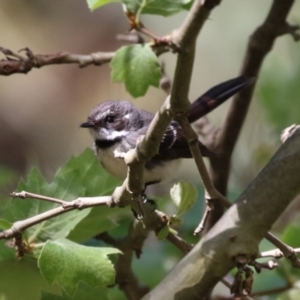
(111, 120)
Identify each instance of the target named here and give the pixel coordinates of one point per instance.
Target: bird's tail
(216, 96)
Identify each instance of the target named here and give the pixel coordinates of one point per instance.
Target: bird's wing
(174, 145)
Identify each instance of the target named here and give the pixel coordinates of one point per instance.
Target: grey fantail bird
(117, 126)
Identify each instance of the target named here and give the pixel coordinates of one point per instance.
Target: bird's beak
(86, 125)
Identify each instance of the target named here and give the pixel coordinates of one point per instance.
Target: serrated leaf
(68, 263)
(94, 4)
(184, 196)
(162, 234)
(64, 186)
(137, 66)
(81, 176)
(158, 7)
(83, 292)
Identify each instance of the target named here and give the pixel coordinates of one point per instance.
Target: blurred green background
(40, 112)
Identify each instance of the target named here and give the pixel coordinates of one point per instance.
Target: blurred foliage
(278, 90)
(153, 7)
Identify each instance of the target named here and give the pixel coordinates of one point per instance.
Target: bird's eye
(109, 119)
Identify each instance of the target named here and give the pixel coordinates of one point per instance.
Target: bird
(116, 126)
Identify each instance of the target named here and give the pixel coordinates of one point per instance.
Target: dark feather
(216, 96)
(174, 145)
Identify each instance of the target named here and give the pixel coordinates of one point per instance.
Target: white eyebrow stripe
(102, 115)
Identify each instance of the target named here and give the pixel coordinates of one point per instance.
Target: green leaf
(162, 234)
(4, 224)
(6, 252)
(64, 186)
(175, 221)
(48, 296)
(21, 279)
(158, 7)
(137, 66)
(81, 176)
(184, 196)
(95, 223)
(86, 292)
(83, 292)
(68, 263)
(94, 4)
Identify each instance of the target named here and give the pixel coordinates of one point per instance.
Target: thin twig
(15, 63)
(180, 243)
(147, 32)
(192, 139)
(26, 195)
(287, 251)
(208, 208)
(270, 265)
(19, 227)
(133, 37)
(226, 282)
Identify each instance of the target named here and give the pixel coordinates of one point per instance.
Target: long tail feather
(216, 96)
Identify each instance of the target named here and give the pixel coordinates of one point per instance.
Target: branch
(154, 220)
(270, 265)
(236, 234)
(177, 103)
(16, 63)
(285, 250)
(132, 243)
(80, 203)
(260, 44)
